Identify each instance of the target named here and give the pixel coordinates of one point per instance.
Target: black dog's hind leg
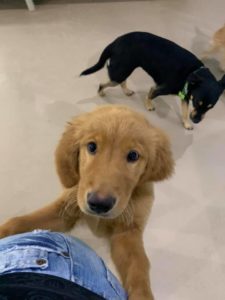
(185, 114)
(125, 89)
(118, 72)
(148, 101)
(105, 85)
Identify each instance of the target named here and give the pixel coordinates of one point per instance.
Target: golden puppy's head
(108, 153)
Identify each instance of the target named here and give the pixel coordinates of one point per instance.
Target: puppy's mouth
(102, 215)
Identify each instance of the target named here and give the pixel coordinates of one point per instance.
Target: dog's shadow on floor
(170, 114)
(162, 108)
(58, 113)
(167, 116)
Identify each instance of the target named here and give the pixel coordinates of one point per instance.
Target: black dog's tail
(100, 64)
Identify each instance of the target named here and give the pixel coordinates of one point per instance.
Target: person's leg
(90, 271)
(39, 251)
(59, 255)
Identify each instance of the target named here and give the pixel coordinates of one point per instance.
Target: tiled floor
(41, 56)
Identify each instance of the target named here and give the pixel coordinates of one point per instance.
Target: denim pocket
(22, 258)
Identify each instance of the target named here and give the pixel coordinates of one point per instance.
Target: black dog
(174, 70)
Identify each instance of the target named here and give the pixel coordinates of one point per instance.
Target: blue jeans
(62, 256)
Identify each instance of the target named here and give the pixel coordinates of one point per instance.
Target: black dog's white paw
(188, 126)
(100, 91)
(148, 104)
(129, 92)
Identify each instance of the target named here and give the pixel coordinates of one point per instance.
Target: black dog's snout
(195, 119)
(100, 204)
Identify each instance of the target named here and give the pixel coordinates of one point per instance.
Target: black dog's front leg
(185, 114)
(153, 93)
(158, 91)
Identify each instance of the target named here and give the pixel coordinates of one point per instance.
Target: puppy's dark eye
(92, 147)
(132, 156)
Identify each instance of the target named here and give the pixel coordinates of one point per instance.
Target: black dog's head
(204, 91)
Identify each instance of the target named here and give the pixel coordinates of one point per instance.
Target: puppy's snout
(99, 204)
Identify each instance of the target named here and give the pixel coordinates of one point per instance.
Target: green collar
(183, 94)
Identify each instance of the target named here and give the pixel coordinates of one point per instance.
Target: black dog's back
(174, 69)
(166, 62)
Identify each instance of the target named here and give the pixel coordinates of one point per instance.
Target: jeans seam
(70, 258)
(77, 280)
(111, 283)
(23, 247)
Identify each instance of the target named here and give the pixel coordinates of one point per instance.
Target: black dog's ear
(194, 79)
(222, 82)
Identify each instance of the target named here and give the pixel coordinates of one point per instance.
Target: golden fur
(218, 46)
(116, 130)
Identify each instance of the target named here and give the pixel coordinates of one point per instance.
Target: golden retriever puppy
(107, 160)
(218, 46)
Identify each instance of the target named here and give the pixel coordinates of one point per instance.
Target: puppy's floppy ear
(67, 154)
(160, 164)
(222, 82)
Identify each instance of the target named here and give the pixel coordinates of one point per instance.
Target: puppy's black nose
(100, 204)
